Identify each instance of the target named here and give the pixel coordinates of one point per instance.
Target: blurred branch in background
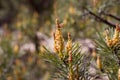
(98, 18)
(111, 15)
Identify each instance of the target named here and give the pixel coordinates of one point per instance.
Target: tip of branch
(69, 36)
(117, 27)
(57, 23)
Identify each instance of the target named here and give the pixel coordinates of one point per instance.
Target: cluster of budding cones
(59, 47)
(59, 41)
(113, 42)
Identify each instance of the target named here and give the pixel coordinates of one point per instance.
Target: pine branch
(101, 19)
(109, 53)
(112, 16)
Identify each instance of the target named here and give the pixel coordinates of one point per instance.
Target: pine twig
(100, 18)
(112, 16)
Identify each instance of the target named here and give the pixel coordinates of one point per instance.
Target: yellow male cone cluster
(69, 51)
(94, 54)
(108, 40)
(16, 48)
(59, 47)
(99, 62)
(119, 74)
(111, 42)
(116, 35)
(72, 10)
(69, 44)
(58, 39)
